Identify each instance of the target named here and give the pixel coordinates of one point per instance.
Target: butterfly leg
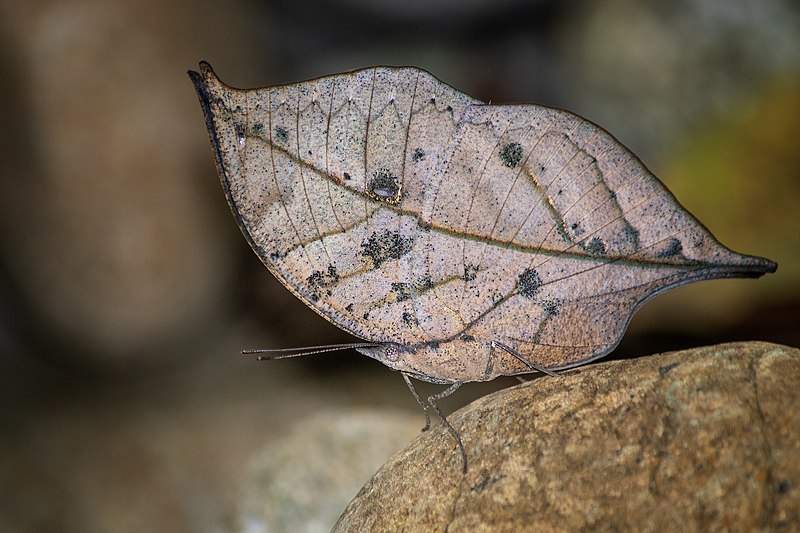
(531, 364)
(432, 401)
(420, 401)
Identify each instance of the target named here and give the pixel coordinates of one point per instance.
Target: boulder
(701, 439)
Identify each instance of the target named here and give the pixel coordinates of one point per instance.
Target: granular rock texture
(702, 439)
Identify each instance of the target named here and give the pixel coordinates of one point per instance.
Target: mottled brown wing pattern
(414, 216)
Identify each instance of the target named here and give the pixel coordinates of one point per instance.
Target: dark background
(127, 291)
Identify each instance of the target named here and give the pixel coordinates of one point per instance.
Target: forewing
(325, 187)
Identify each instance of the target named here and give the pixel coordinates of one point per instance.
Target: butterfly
(460, 240)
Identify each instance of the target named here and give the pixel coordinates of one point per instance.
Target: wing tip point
(204, 76)
(758, 266)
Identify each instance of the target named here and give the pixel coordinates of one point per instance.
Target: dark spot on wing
(423, 283)
(402, 291)
(320, 281)
(346, 176)
(239, 127)
(418, 155)
(384, 186)
(511, 154)
(595, 246)
(551, 307)
(528, 283)
(408, 318)
(349, 308)
(385, 246)
(470, 272)
(576, 228)
(281, 134)
(332, 273)
(632, 234)
(257, 129)
(316, 279)
(672, 249)
(424, 226)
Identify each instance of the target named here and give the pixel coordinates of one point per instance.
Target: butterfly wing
(326, 190)
(408, 213)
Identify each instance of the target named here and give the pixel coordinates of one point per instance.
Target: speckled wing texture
(414, 216)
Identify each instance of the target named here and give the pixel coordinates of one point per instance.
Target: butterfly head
(421, 361)
(393, 355)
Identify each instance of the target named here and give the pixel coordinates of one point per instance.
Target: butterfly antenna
(266, 354)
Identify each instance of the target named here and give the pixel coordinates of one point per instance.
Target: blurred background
(127, 291)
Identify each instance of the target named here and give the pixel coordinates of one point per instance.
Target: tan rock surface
(703, 439)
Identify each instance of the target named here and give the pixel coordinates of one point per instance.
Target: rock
(702, 439)
(302, 481)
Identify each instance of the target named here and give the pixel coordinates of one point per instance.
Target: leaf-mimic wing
(410, 214)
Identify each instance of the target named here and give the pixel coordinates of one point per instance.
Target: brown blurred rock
(702, 439)
(111, 219)
(302, 481)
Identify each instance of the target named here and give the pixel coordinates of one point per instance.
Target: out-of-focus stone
(698, 440)
(302, 481)
(740, 173)
(633, 75)
(111, 219)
